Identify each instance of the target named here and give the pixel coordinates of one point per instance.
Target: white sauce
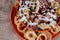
(23, 19)
(45, 18)
(50, 0)
(52, 10)
(32, 24)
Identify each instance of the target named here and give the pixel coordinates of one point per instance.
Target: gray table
(6, 31)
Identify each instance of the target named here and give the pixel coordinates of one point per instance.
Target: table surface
(6, 30)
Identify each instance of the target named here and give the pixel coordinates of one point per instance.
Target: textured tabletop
(6, 30)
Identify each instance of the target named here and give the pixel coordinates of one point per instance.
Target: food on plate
(35, 17)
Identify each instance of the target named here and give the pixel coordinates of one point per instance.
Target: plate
(13, 14)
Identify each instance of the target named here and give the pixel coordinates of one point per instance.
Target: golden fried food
(58, 11)
(16, 5)
(16, 21)
(36, 20)
(30, 35)
(26, 29)
(44, 35)
(55, 4)
(21, 27)
(59, 28)
(26, 12)
(54, 30)
(43, 26)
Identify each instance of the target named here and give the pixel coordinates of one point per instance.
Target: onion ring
(16, 20)
(27, 29)
(21, 27)
(30, 35)
(46, 35)
(55, 30)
